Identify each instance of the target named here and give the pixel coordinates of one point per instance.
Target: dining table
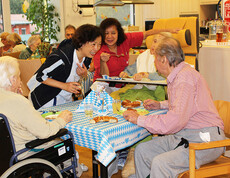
(103, 138)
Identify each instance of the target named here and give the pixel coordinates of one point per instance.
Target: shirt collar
(175, 71)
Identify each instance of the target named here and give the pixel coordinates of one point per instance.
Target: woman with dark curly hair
(113, 56)
(58, 77)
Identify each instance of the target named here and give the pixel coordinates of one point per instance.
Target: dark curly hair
(110, 22)
(85, 33)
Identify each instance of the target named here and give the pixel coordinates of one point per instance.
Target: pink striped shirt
(189, 104)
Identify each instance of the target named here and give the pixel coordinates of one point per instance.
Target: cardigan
(58, 67)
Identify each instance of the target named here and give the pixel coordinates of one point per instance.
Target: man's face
(69, 33)
(160, 64)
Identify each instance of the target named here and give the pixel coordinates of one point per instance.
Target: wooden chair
(27, 69)
(221, 166)
(15, 54)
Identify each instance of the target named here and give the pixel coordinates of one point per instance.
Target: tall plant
(42, 14)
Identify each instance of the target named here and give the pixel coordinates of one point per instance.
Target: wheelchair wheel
(33, 168)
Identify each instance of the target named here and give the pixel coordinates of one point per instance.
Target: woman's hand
(81, 71)
(123, 75)
(150, 104)
(140, 75)
(72, 87)
(104, 57)
(66, 115)
(131, 116)
(175, 30)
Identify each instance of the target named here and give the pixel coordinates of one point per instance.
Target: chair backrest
(6, 142)
(15, 54)
(27, 69)
(223, 108)
(188, 36)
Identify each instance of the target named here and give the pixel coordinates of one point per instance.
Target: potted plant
(42, 14)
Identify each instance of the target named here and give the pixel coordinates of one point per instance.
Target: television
(149, 24)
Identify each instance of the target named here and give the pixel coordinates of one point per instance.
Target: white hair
(165, 34)
(33, 39)
(9, 67)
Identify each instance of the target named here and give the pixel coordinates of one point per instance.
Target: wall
(68, 16)
(160, 9)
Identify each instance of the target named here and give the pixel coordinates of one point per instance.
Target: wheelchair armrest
(38, 142)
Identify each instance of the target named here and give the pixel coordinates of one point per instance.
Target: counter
(214, 66)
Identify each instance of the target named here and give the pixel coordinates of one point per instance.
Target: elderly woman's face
(35, 45)
(156, 40)
(111, 35)
(91, 48)
(11, 43)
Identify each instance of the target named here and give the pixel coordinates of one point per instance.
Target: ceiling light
(109, 3)
(138, 1)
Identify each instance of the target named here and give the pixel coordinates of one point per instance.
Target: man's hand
(123, 74)
(66, 115)
(105, 57)
(81, 71)
(73, 87)
(150, 104)
(131, 116)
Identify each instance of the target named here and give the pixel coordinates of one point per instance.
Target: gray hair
(9, 67)
(33, 39)
(171, 49)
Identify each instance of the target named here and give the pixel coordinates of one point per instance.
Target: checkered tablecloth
(105, 138)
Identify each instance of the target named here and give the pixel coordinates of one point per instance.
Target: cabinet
(214, 66)
(147, 12)
(189, 6)
(170, 8)
(204, 2)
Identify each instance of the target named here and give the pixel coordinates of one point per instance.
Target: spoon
(121, 55)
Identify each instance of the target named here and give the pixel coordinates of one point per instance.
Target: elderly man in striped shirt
(191, 117)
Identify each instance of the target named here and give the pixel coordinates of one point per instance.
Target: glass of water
(88, 109)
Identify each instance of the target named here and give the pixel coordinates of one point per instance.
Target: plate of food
(103, 119)
(140, 111)
(51, 115)
(130, 104)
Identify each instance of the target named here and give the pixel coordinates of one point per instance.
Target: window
(124, 14)
(23, 31)
(1, 19)
(16, 30)
(18, 19)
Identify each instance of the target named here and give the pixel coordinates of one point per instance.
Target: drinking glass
(88, 107)
(116, 105)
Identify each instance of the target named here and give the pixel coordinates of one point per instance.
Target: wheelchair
(55, 154)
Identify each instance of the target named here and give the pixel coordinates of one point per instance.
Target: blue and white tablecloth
(105, 138)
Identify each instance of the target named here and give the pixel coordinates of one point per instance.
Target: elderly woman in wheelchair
(25, 123)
